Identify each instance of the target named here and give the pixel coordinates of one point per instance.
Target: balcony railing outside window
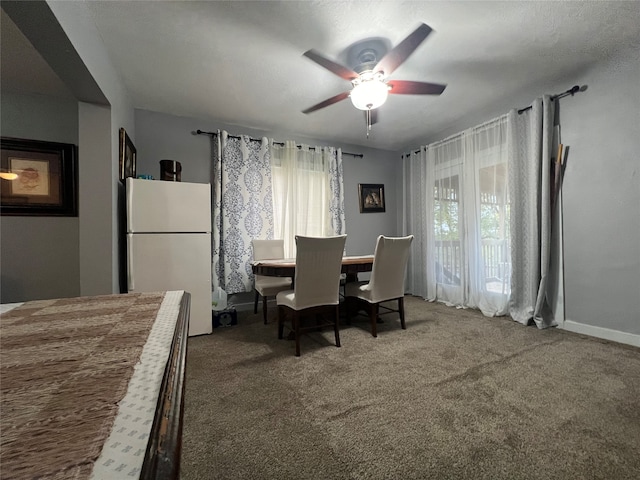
(496, 257)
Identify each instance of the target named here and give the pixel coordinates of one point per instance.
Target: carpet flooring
(454, 396)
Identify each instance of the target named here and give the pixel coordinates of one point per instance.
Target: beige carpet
(455, 396)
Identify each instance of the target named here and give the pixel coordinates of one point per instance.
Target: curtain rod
(202, 132)
(572, 91)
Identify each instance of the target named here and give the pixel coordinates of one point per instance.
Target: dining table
(286, 267)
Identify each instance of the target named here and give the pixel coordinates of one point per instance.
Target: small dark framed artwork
(127, 156)
(371, 197)
(38, 178)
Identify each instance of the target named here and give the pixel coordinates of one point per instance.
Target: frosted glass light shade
(8, 175)
(369, 94)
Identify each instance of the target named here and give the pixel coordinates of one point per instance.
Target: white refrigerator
(169, 243)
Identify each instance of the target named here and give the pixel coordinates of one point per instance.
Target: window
(304, 182)
(463, 222)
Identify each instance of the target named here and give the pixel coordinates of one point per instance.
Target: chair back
(389, 267)
(318, 266)
(267, 249)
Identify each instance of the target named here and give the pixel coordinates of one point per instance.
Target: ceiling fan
(371, 85)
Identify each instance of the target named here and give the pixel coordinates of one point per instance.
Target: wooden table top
(285, 267)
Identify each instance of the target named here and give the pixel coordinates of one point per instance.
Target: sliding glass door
(449, 230)
(462, 226)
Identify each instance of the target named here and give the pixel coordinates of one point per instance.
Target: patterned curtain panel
(336, 209)
(242, 207)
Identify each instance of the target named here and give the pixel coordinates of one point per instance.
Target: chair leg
(401, 310)
(280, 322)
(373, 315)
(264, 309)
(296, 328)
(255, 303)
(336, 325)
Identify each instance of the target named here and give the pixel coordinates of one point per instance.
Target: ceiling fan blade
(396, 56)
(327, 102)
(408, 87)
(330, 65)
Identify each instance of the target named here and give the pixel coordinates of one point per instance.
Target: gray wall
(68, 41)
(99, 146)
(38, 255)
(601, 197)
(160, 136)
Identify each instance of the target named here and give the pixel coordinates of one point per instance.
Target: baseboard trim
(601, 332)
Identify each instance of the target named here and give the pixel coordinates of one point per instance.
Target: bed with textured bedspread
(92, 387)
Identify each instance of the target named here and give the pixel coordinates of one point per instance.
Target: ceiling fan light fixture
(369, 93)
(8, 175)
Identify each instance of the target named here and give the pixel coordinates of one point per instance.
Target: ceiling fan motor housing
(367, 60)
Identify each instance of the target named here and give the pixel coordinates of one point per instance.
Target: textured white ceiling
(241, 61)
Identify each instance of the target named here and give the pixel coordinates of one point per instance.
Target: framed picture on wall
(371, 197)
(38, 178)
(127, 156)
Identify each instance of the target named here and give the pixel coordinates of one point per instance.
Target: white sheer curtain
(308, 192)
(242, 207)
(531, 150)
(457, 206)
(418, 203)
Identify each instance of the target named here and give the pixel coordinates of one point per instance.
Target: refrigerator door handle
(129, 209)
(130, 283)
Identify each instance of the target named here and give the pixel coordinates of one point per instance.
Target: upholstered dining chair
(386, 283)
(316, 287)
(268, 286)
